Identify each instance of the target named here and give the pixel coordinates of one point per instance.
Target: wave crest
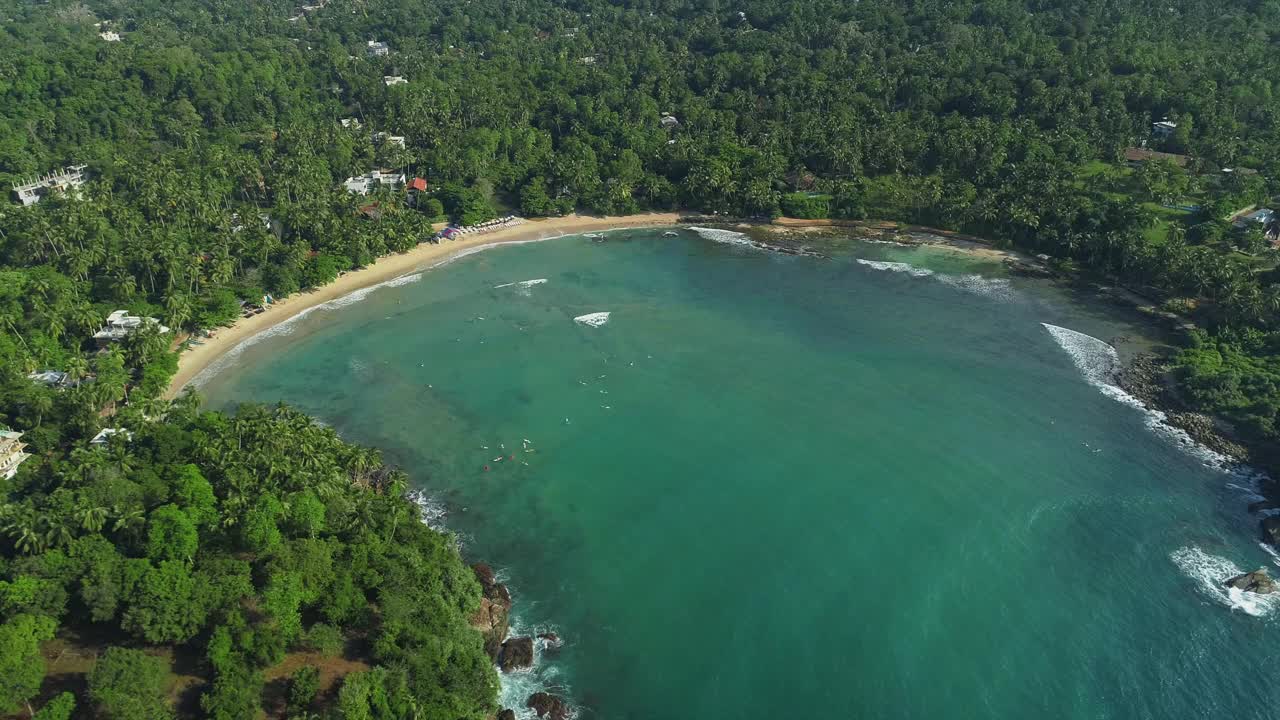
(996, 288)
(1099, 363)
(728, 237)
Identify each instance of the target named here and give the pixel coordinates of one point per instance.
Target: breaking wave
(898, 267)
(516, 687)
(595, 319)
(1210, 571)
(522, 283)
(728, 237)
(1099, 363)
(431, 512)
(286, 326)
(997, 288)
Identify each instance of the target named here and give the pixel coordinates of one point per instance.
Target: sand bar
(198, 357)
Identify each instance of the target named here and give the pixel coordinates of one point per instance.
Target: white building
(363, 184)
(382, 138)
(120, 325)
(109, 35)
(105, 434)
(376, 48)
(52, 378)
(1163, 129)
(351, 122)
(11, 453)
(390, 80)
(66, 180)
(669, 121)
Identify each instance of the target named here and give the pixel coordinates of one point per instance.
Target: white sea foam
(522, 283)
(286, 327)
(403, 280)
(516, 687)
(1099, 363)
(898, 267)
(1210, 571)
(996, 288)
(595, 319)
(728, 237)
(431, 512)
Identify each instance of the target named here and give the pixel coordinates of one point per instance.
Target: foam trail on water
(1099, 362)
(522, 283)
(1210, 571)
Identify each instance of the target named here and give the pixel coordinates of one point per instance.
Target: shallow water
(773, 486)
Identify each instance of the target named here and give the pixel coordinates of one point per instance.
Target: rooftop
(68, 178)
(105, 434)
(120, 324)
(1141, 155)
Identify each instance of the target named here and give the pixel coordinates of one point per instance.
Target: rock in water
(548, 706)
(495, 610)
(1257, 581)
(517, 654)
(507, 714)
(1271, 529)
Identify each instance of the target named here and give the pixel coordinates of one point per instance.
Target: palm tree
(92, 517)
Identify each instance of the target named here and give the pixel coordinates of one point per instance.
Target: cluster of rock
(1257, 581)
(513, 654)
(1144, 378)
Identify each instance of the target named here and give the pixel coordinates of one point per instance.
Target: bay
(875, 485)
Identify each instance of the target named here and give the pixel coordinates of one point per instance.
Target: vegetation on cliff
(225, 548)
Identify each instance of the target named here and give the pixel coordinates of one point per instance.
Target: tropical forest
(252, 563)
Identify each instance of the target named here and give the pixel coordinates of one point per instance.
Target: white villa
(390, 80)
(109, 35)
(377, 48)
(374, 178)
(382, 138)
(11, 453)
(105, 434)
(65, 180)
(1164, 128)
(120, 325)
(351, 123)
(52, 378)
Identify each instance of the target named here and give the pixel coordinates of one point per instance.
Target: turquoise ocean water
(872, 486)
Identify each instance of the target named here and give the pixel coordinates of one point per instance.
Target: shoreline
(195, 359)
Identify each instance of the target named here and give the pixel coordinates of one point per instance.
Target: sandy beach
(198, 357)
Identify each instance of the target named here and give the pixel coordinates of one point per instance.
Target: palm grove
(202, 536)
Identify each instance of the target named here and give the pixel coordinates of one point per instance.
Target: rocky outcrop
(1143, 378)
(517, 654)
(1257, 581)
(548, 706)
(507, 714)
(495, 610)
(1146, 378)
(1271, 529)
